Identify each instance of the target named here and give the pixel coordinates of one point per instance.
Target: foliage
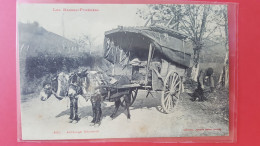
(40, 67)
(83, 42)
(199, 22)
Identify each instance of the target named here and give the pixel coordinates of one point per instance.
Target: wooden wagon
(154, 58)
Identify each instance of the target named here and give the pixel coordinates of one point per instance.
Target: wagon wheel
(171, 92)
(132, 98)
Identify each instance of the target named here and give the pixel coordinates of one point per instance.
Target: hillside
(43, 53)
(34, 39)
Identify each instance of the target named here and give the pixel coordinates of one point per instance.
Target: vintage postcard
(102, 71)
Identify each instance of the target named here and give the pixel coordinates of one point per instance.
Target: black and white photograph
(103, 71)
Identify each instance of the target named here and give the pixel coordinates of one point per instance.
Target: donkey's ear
(71, 74)
(85, 72)
(54, 77)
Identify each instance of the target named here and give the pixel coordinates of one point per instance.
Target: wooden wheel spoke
(177, 91)
(168, 95)
(175, 77)
(174, 83)
(175, 97)
(173, 88)
(168, 101)
(171, 103)
(165, 101)
(166, 104)
(167, 92)
(170, 80)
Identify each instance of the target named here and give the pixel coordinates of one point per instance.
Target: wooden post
(169, 22)
(183, 49)
(148, 63)
(150, 18)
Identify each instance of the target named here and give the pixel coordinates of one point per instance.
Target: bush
(41, 67)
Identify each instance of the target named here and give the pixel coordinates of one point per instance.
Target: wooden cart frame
(158, 52)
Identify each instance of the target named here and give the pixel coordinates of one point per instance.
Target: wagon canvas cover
(168, 42)
(155, 46)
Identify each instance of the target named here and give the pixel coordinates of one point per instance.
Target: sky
(78, 23)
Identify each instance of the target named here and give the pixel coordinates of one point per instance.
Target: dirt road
(49, 119)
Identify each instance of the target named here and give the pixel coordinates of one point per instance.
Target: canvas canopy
(135, 41)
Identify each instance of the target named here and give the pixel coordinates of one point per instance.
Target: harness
(75, 86)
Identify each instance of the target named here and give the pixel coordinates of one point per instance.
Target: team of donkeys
(94, 85)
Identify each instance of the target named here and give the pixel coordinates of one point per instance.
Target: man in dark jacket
(205, 77)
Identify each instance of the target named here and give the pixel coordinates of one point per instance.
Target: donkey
(65, 85)
(78, 83)
(101, 88)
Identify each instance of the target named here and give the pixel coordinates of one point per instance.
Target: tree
(83, 43)
(162, 15)
(224, 76)
(199, 22)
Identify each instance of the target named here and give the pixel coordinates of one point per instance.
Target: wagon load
(155, 58)
(104, 84)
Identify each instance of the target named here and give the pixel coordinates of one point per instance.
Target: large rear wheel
(171, 92)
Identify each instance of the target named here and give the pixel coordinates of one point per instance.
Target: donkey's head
(49, 87)
(58, 86)
(46, 92)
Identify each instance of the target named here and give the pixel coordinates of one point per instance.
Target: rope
(67, 102)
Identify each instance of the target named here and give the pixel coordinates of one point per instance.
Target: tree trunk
(224, 76)
(198, 42)
(195, 72)
(227, 51)
(196, 68)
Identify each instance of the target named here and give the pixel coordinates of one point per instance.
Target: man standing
(73, 92)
